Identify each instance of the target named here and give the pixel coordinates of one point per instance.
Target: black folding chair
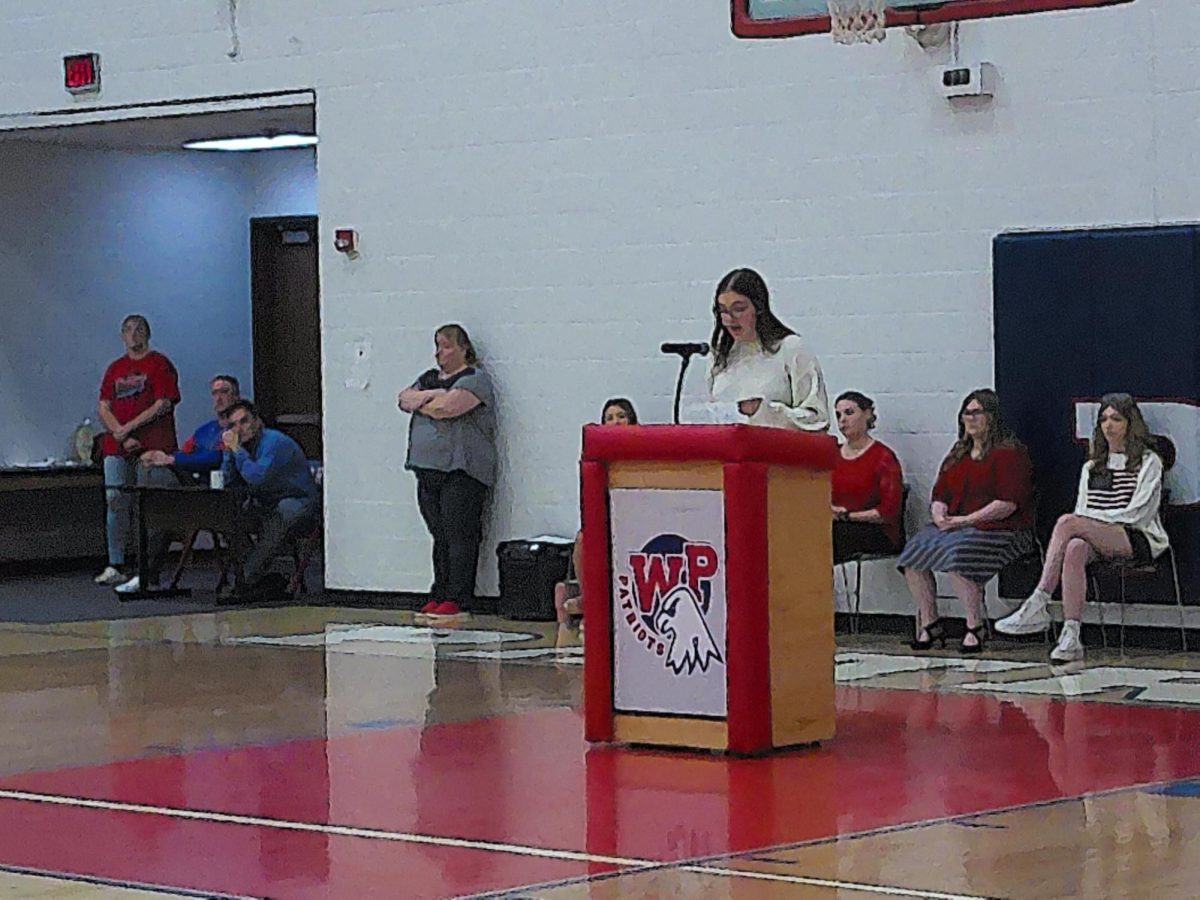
(857, 560)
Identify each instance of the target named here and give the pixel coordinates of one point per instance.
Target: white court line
(378, 834)
(459, 843)
(885, 890)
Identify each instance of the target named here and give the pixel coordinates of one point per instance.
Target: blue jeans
(118, 521)
(118, 517)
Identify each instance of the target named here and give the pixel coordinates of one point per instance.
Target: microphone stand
(684, 360)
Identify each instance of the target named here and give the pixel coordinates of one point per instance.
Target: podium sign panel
(668, 565)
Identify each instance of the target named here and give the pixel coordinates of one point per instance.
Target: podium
(707, 580)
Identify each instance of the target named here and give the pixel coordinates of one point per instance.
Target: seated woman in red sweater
(982, 510)
(866, 485)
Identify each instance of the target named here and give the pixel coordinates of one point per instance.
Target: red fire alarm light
(345, 240)
(81, 73)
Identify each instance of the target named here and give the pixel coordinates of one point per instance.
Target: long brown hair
(769, 330)
(998, 434)
(1137, 435)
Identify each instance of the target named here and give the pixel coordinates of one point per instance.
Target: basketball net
(857, 21)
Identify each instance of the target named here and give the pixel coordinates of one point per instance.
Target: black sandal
(934, 631)
(977, 631)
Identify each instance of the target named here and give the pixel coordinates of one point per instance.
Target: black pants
(853, 538)
(451, 504)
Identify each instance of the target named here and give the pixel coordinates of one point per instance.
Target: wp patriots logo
(664, 598)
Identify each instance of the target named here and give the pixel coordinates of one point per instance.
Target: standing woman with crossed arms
(452, 451)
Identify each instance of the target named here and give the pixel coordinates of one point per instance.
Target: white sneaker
(109, 576)
(132, 586)
(1069, 647)
(1032, 617)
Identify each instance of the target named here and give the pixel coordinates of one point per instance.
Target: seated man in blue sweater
(273, 470)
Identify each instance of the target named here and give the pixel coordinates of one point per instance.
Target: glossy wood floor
(338, 753)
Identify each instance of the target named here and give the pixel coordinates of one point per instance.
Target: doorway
(285, 308)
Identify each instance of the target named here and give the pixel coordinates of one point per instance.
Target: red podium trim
(596, 587)
(722, 443)
(748, 632)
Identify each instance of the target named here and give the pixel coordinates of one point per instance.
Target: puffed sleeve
(808, 409)
(890, 485)
(942, 487)
(1013, 475)
(1081, 498)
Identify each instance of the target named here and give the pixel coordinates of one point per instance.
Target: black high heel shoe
(977, 647)
(934, 631)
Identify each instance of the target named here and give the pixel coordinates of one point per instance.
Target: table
(182, 508)
(51, 512)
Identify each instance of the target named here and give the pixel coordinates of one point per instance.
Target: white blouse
(789, 383)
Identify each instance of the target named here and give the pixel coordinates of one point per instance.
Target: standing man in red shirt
(137, 405)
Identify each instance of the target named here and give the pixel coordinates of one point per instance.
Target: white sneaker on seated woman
(1116, 517)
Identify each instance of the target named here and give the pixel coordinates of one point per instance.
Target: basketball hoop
(857, 21)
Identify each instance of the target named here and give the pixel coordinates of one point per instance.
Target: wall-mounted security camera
(969, 81)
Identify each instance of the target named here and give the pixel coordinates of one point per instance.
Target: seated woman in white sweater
(759, 363)
(1116, 517)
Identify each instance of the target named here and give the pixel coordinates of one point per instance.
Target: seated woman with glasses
(759, 363)
(982, 510)
(866, 485)
(1116, 517)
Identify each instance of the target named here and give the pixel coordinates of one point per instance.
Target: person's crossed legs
(1075, 543)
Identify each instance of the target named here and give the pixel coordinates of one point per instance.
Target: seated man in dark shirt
(283, 496)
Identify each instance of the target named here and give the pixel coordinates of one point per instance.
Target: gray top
(467, 442)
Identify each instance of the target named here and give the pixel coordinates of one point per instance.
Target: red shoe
(446, 608)
(431, 606)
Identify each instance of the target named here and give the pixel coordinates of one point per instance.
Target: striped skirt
(973, 553)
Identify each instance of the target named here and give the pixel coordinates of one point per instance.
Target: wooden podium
(707, 586)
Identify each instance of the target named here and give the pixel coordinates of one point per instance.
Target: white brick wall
(570, 179)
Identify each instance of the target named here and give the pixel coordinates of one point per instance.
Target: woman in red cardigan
(982, 511)
(866, 485)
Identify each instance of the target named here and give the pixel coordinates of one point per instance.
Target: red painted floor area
(899, 757)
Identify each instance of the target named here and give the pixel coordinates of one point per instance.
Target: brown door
(287, 327)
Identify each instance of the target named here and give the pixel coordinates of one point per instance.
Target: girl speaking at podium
(760, 367)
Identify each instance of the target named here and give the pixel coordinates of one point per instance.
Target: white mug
(216, 480)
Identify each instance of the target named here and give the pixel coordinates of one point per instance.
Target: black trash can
(529, 569)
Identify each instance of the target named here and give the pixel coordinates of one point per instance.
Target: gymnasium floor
(315, 752)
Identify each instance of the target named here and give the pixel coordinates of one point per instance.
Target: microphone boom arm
(684, 360)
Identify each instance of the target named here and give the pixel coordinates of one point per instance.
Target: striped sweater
(1123, 497)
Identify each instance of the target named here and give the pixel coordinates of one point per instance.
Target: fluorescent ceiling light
(255, 142)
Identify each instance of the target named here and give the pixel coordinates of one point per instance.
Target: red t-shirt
(1004, 474)
(131, 386)
(871, 481)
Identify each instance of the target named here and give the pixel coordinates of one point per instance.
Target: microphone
(685, 349)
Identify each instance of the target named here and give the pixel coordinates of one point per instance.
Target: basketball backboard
(784, 18)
